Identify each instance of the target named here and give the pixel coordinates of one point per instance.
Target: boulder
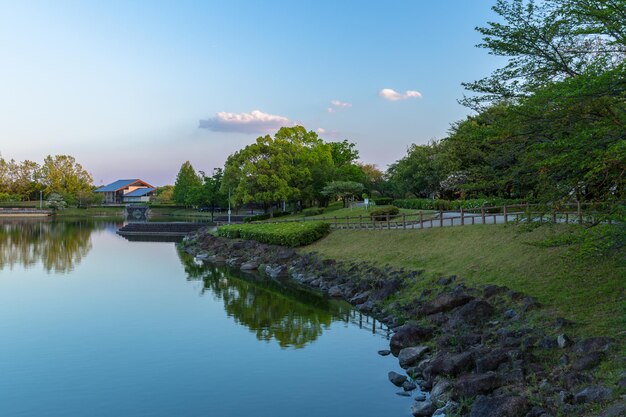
(563, 341)
(396, 378)
(593, 344)
(440, 389)
(408, 385)
(360, 298)
(500, 406)
(588, 361)
(470, 385)
(616, 410)
(450, 363)
(249, 266)
(335, 292)
(409, 356)
(446, 302)
(593, 394)
(492, 359)
(409, 335)
(423, 409)
(384, 352)
(473, 313)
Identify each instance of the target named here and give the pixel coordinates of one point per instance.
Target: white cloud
(254, 122)
(325, 132)
(392, 95)
(338, 105)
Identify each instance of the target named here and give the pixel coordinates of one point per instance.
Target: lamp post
(40, 199)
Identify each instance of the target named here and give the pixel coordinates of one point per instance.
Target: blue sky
(133, 89)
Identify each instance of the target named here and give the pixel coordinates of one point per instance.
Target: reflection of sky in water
(129, 330)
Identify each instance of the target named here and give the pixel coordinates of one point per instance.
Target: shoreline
(474, 351)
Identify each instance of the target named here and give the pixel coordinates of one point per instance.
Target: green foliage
(9, 198)
(313, 211)
(63, 175)
(384, 213)
(429, 204)
(187, 187)
(343, 189)
(265, 216)
(590, 242)
(56, 202)
(382, 201)
(284, 234)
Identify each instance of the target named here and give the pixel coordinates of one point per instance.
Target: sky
(132, 89)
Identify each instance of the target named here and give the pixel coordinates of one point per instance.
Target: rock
(563, 341)
(573, 379)
(420, 397)
(409, 356)
(491, 290)
(446, 302)
(440, 389)
(500, 406)
(449, 364)
(593, 394)
(396, 378)
(423, 409)
(384, 352)
(335, 292)
(510, 314)
(216, 259)
(560, 322)
(594, 344)
(616, 410)
(588, 361)
(360, 298)
(449, 407)
(491, 360)
(409, 335)
(474, 312)
(280, 270)
(564, 360)
(445, 280)
(548, 342)
(366, 307)
(403, 393)
(203, 256)
(530, 303)
(284, 254)
(249, 266)
(622, 383)
(408, 385)
(470, 385)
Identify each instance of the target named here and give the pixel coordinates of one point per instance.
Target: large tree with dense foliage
(186, 185)
(62, 174)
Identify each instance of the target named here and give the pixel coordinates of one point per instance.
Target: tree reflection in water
(292, 316)
(59, 246)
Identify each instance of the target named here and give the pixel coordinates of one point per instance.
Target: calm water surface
(94, 325)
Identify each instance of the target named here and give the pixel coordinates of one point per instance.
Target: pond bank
(480, 351)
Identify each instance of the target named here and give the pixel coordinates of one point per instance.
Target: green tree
(344, 190)
(63, 175)
(187, 185)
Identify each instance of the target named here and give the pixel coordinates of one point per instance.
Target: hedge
(428, 204)
(384, 213)
(382, 201)
(265, 216)
(284, 234)
(314, 211)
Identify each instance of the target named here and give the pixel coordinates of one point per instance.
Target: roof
(119, 184)
(139, 192)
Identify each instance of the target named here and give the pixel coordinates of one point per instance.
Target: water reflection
(59, 246)
(272, 310)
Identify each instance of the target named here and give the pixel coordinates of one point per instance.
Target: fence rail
(571, 213)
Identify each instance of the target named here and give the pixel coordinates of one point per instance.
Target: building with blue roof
(126, 191)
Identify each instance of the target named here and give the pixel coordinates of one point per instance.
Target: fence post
(421, 220)
(347, 222)
(580, 213)
(554, 216)
(360, 221)
(440, 218)
(336, 222)
(462, 217)
(506, 217)
(482, 214)
(404, 221)
(567, 217)
(388, 225)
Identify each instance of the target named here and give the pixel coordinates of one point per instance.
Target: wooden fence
(574, 213)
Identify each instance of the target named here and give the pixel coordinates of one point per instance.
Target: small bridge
(23, 212)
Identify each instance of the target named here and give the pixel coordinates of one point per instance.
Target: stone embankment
(472, 351)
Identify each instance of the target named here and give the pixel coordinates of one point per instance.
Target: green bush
(384, 213)
(383, 201)
(284, 234)
(259, 217)
(313, 211)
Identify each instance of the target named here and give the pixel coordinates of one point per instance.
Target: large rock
(616, 410)
(409, 335)
(440, 390)
(335, 292)
(396, 378)
(492, 359)
(450, 364)
(500, 406)
(593, 344)
(409, 356)
(446, 302)
(249, 266)
(593, 394)
(471, 385)
(588, 361)
(473, 313)
(423, 409)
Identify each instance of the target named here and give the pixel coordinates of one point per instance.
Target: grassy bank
(355, 215)
(588, 291)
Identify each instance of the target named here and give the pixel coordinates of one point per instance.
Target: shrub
(313, 211)
(259, 217)
(383, 201)
(428, 204)
(284, 234)
(384, 213)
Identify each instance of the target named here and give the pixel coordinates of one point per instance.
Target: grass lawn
(590, 292)
(356, 215)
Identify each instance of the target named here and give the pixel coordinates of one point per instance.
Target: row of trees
(293, 166)
(59, 174)
(550, 125)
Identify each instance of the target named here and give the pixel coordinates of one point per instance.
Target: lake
(92, 324)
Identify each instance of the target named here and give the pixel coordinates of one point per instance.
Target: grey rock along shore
(474, 349)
